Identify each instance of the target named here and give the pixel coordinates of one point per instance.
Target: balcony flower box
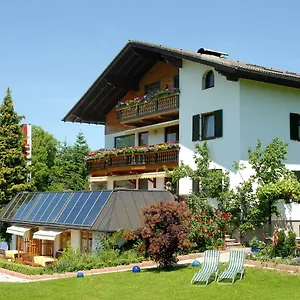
(98, 155)
(146, 98)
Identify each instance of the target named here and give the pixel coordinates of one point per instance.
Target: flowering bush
(130, 150)
(207, 227)
(145, 98)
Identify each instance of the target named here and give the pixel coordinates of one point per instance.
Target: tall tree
(44, 151)
(13, 165)
(70, 171)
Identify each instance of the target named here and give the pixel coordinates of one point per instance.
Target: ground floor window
(86, 240)
(99, 186)
(65, 239)
(126, 184)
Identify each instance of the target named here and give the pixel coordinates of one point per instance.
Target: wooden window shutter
(196, 184)
(218, 123)
(294, 127)
(196, 128)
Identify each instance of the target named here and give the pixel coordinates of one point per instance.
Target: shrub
(16, 267)
(286, 243)
(164, 231)
(73, 260)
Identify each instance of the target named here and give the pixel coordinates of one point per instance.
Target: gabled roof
(137, 58)
(104, 211)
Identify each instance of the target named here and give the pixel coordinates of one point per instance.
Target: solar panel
(37, 208)
(64, 208)
(96, 208)
(51, 203)
(13, 205)
(58, 207)
(86, 207)
(30, 204)
(72, 202)
(77, 207)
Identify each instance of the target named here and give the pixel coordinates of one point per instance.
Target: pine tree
(13, 165)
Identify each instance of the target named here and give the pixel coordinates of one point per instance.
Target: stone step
(230, 240)
(230, 245)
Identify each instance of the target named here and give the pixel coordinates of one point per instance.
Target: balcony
(133, 159)
(146, 112)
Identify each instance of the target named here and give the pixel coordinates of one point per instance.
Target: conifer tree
(13, 165)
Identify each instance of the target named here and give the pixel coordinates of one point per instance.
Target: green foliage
(70, 171)
(256, 243)
(73, 260)
(16, 267)
(164, 231)
(44, 151)
(286, 244)
(13, 165)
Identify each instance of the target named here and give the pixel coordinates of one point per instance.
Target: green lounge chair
(236, 266)
(210, 266)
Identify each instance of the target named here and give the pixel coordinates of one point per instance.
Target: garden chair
(236, 266)
(210, 266)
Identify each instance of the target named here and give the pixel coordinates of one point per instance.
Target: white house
(228, 103)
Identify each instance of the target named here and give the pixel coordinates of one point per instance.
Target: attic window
(208, 80)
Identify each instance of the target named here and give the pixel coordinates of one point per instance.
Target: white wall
(265, 114)
(75, 239)
(193, 100)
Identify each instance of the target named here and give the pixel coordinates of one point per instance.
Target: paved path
(9, 278)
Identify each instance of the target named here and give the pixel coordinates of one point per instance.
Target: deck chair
(236, 266)
(210, 266)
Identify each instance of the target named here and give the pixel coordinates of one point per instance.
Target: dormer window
(208, 80)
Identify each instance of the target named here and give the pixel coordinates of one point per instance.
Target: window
(295, 127)
(172, 134)
(152, 89)
(143, 138)
(211, 126)
(124, 184)
(143, 184)
(65, 239)
(125, 141)
(176, 82)
(86, 241)
(208, 80)
(208, 126)
(98, 186)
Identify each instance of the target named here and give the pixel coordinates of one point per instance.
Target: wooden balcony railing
(159, 106)
(162, 157)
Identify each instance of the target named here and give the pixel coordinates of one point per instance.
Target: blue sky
(52, 51)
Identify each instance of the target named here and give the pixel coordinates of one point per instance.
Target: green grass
(151, 284)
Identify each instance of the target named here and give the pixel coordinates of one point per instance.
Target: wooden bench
(3, 254)
(28, 259)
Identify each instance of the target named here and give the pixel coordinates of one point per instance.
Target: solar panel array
(61, 208)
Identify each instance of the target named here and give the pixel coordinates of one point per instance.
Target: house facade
(156, 102)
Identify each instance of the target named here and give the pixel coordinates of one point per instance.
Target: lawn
(258, 284)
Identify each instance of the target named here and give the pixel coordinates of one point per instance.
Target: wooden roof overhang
(137, 58)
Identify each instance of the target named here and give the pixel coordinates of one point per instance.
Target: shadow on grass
(166, 269)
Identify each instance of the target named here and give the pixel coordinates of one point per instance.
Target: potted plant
(220, 244)
(256, 245)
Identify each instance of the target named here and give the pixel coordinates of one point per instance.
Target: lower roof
(104, 211)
